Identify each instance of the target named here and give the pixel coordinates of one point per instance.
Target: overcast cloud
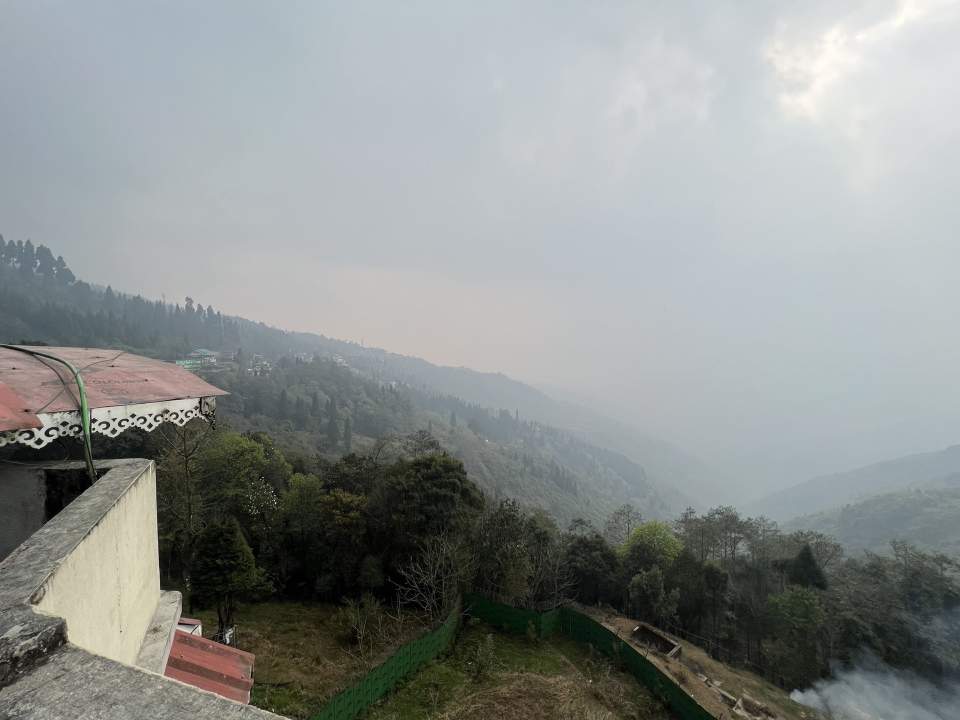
(734, 224)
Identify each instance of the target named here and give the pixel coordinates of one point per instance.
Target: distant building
(85, 629)
(259, 366)
(199, 359)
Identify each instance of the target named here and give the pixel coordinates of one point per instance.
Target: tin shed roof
(36, 394)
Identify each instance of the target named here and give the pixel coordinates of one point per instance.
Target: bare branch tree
(433, 580)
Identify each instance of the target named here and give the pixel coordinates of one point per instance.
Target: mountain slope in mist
(663, 463)
(379, 393)
(927, 516)
(828, 492)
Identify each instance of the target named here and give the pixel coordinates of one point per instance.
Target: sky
(733, 224)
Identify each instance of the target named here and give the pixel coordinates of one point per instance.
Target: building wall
(108, 586)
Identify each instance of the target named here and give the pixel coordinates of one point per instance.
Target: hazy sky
(735, 222)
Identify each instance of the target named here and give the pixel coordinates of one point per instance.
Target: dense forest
(927, 516)
(313, 400)
(321, 480)
(405, 523)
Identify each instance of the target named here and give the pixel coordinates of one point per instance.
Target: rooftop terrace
(82, 613)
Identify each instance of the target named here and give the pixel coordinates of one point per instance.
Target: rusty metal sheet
(112, 378)
(211, 666)
(14, 414)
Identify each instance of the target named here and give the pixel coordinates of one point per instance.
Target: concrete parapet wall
(107, 588)
(94, 564)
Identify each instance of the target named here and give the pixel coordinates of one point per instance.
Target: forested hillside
(831, 491)
(927, 516)
(327, 397)
(325, 480)
(662, 461)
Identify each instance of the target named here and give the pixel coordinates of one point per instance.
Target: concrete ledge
(25, 571)
(77, 685)
(159, 638)
(27, 636)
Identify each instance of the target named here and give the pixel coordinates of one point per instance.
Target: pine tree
(64, 274)
(225, 571)
(805, 571)
(301, 413)
(283, 405)
(27, 259)
(46, 264)
(333, 427)
(348, 435)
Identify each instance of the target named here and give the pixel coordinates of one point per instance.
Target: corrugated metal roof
(13, 413)
(211, 666)
(29, 385)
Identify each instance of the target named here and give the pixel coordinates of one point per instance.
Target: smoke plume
(881, 693)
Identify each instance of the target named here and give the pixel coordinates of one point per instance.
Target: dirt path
(726, 685)
(702, 693)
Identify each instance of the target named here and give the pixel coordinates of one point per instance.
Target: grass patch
(489, 675)
(303, 658)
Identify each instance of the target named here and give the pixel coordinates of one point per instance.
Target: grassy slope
(527, 679)
(301, 661)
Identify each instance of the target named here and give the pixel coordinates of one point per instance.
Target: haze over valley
(647, 309)
(720, 227)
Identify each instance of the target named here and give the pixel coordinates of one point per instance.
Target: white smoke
(881, 694)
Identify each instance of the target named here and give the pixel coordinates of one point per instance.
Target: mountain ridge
(826, 492)
(39, 307)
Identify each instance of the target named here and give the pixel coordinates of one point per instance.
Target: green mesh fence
(585, 629)
(509, 619)
(579, 627)
(383, 678)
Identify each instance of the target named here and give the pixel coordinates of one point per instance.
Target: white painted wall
(107, 588)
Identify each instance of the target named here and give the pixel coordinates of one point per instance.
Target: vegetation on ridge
(313, 401)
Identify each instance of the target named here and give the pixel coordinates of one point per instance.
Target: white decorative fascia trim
(109, 421)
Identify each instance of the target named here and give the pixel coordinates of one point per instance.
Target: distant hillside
(830, 491)
(926, 516)
(663, 463)
(503, 435)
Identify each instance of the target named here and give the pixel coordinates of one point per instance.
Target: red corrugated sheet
(29, 385)
(14, 413)
(211, 666)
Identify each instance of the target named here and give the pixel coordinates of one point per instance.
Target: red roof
(211, 666)
(29, 385)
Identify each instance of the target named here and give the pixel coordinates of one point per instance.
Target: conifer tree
(225, 571)
(805, 571)
(333, 427)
